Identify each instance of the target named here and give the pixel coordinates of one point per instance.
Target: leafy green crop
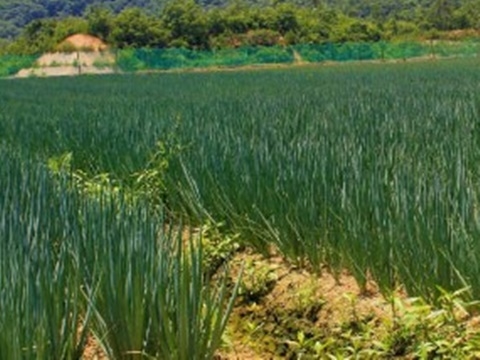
(75, 263)
(372, 168)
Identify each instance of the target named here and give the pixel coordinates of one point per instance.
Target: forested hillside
(14, 14)
(33, 26)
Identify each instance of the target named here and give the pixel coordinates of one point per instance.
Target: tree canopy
(37, 25)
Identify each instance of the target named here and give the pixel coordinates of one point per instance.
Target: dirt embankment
(70, 64)
(78, 54)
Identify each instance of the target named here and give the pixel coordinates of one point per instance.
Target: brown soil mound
(83, 42)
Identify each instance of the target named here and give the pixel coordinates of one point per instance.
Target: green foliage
(383, 50)
(100, 22)
(69, 26)
(3, 47)
(11, 64)
(79, 262)
(338, 184)
(152, 298)
(188, 24)
(45, 35)
(218, 247)
(38, 277)
(133, 28)
(418, 330)
(427, 331)
(380, 180)
(262, 37)
(147, 185)
(372, 168)
(257, 281)
(164, 59)
(93, 255)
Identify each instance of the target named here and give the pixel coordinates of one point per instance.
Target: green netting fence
(164, 59)
(11, 64)
(131, 60)
(386, 51)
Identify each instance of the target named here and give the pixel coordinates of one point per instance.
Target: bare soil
(290, 300)
(296, 301)
(84, 41)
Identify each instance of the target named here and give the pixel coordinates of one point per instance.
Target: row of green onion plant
(74, 266)
(372, 168)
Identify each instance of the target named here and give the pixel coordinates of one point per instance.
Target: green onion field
(373, 169)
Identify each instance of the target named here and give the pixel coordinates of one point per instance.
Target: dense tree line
(209, 24)
(15, 14)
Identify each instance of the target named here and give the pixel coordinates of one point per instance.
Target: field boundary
(151, 60)
(61, 71)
